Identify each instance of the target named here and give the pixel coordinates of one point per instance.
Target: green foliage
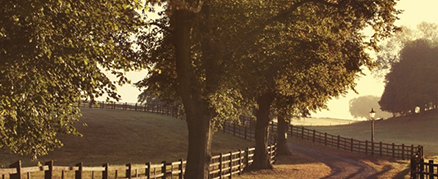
(311, 55)
(53, 53)
(304, 51)
(361, 106)
(412, 82)
(309, 51)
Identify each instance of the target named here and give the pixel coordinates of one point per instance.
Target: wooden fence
(397, 151)
(222, 166)
(175, 111)
(420, 169)
(245, 129)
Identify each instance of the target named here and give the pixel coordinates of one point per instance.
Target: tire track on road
(341, 167)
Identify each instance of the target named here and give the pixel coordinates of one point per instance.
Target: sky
(415, 12)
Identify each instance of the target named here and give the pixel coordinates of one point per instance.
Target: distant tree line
(360, 107)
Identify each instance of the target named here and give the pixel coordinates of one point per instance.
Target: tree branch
(275, 18)
(162, 26)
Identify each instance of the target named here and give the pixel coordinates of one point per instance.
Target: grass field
(120, 137)
(320, 122)
(419, 129)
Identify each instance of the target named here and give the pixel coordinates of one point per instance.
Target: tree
(53, 54)
(361, 106)
(389, 53)
(292, 63)
(209, 37)
(412, 81)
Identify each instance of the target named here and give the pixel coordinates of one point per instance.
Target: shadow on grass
(295, 158)
(385, 169)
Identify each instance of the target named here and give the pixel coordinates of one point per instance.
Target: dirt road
(341, 166)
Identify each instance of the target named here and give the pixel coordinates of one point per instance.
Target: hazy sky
(415, 11)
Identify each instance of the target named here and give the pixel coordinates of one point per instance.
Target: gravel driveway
(341, 166)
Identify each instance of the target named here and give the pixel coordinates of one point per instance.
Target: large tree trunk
(196, 108)
(261, 157)
(199, 150)
(282, 127)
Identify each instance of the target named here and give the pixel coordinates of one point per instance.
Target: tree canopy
(301, 61)
(54, 54)
(412, 82)
(209, 44)
(389, 52)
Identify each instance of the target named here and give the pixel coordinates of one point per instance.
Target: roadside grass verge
(419, 129)
(119, 137)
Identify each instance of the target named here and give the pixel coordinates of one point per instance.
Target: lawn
(119, 137)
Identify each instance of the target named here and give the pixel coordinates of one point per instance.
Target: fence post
(49, 173)
(339, 140)
(302, 132)
(148, 170)
(422, 168)
(412, 150)
(16, 165)
(352, 140)
(163, 170)
(372, 148)
(380, 151)
(128, 170)
(240, 161)
(403, 151)
(181, 168)
(366, 147)
(220, 166)
(325, 138)
(231, 164)
(106, 171)
(313, 136)
(413, 168)
(431, 169)
(393, 150)
(247, 157)
(78, 174)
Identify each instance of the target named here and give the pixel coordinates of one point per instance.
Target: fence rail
(245, 128)
(421, 169)
(397, 151)
(232, 163)
(175, 111)
(222, 165)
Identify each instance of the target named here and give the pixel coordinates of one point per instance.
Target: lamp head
(372, 113)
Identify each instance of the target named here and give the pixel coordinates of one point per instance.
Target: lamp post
(372, 114)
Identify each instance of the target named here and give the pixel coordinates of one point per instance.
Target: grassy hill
(120, 137)
(419, 129)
